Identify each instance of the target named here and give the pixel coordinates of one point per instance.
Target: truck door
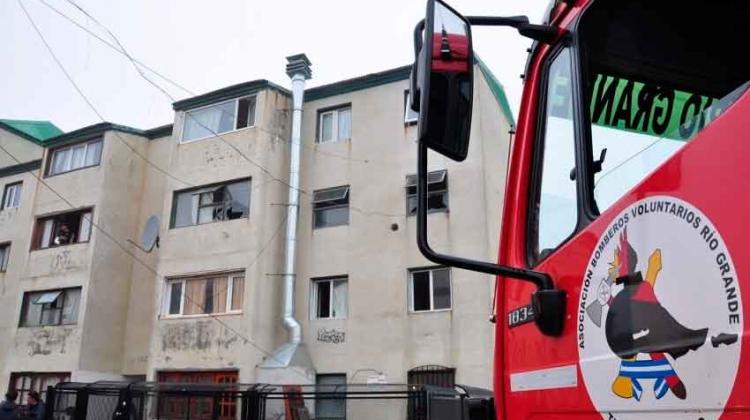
(628, 187)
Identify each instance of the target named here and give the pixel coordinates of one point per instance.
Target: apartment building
(80, 299)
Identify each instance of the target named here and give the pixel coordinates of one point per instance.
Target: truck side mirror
(444, 81)
(442, 91)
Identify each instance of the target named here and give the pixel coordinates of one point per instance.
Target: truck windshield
(655, 80)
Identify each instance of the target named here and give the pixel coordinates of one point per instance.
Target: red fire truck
(623, 262)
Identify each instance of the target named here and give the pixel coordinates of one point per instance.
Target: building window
(24, 382)
(212, 294)
(410, 116)
(50, 307)
(63, 229)
(329, 298)
(4, 256)
(329, 406)
(12, 195)
(225, 201)
(76, 156)
(429, 289)
(331, 207)
(432, 375)
(219, 118)
(335, 124)
(437, 192)
(176, 406)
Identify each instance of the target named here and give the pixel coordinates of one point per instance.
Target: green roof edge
(358, 83)
(226, 93)
(42, 131)
(20, 168)
(497, 90)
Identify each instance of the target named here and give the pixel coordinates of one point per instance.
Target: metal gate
(233, 401)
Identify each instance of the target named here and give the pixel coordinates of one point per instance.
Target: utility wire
(88, 101)
(123, 51)
(123, 247)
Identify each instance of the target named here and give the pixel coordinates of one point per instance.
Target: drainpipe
(298, 69)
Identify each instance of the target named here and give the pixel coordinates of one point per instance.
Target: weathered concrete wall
(379, 332)
(23, 150)
(253, 244)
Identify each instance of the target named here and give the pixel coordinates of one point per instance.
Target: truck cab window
(652, 89)
(557, 211)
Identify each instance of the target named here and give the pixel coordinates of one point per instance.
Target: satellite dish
(150, 237)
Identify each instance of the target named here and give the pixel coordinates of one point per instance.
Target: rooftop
(37, 131)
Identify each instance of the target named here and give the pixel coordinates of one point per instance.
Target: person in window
(36, 406)
(8, 408)
(64, 235)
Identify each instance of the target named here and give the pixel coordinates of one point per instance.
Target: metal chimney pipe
(298, 69)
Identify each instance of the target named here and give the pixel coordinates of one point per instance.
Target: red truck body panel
(575, 375)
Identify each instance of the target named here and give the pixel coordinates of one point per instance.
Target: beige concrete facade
(122, 330)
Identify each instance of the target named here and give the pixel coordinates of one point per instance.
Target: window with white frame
(410, 116)
(213, 203)
(4, 256)
(335, 124)
(76, 156)
(12, 195)
(62, 229)
(331, 207)
(437, 192)
(329, 298)
(50, 307)
(209, 294)
(429, 289)
(219, 118)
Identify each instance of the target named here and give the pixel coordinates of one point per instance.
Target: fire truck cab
(623, 266)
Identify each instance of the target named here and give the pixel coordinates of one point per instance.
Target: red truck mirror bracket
(548, 303)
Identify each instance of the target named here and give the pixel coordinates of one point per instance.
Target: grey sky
(208, 45)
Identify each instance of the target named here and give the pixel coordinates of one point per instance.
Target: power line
(121, 49)
(87, 100)
(109, 235)
(145, 265)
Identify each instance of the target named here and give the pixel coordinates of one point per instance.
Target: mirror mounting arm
(548, 302)
(541, 33)
(513, 21)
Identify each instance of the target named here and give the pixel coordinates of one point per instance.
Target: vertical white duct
(298, 69)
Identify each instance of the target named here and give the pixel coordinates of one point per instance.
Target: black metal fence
(180, 401)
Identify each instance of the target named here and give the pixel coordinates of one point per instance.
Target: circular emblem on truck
(660, 314)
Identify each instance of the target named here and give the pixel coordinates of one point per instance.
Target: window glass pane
(409, 114)
(4, 252)
(331, 194)
(93, 153)
(79, 156)
(421, 290)
(195, 296)
(186, 210)
(331, 217)
(246, 112)
(210, 121)
(207, 214)
(16, 195)
(72, 302)
(339, 298)
(324, 299)
(175, 296)
(220, 289)
(46, 233)
(238, 200)
(50, 315)
(60, 161)
(85, 228)
(441, 289)
(326, 127)
(558, 213)
(331, 408)
(32, 313)
(238, 291)
(437, 201)
(345, 123)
